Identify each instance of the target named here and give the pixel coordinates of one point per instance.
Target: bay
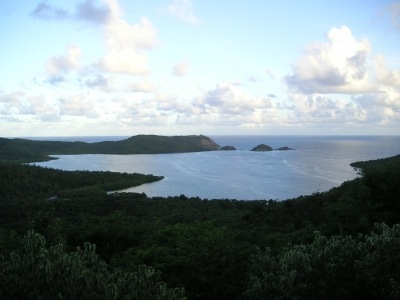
(318, 164)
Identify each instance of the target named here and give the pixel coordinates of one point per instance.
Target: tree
(35, 271)
(339, 267)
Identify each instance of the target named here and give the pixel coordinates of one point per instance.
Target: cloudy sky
(172, 67)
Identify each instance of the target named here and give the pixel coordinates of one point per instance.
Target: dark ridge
(24, 150)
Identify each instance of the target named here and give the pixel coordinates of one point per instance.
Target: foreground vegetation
(35, 182)
(341, 244)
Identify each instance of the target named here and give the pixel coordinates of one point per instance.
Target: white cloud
(384, 75)
(181, 69)
(337, 66)
(174, 106)
(126, 44)
(47, 107)
(225, 105)
(77, 105)
(142, 86)
(64, 63)
(11, 103)
(344, 65)
(373, 108)
(270, 73)
(230, 99)
(183, 10)
(141, 112)
(319, 108)
(318, 85)
(383, 106)
(41, 107)
(229, 105)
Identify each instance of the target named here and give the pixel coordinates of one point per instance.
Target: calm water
(317, 164)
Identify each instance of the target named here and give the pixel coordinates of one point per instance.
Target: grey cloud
(180, 69)
(324, 107)
(366, 100)
(98, 81)
(318, 109)
(12, 97)
(88, 11)
(371, 102)
(269, 73)
(10, 119)
(318, 84)
(215, 97)
(54, 80)
(395, 14)
(46, 11)
(253, 78)
(358, 63)
(84, 11)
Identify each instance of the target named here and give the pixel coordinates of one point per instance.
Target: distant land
(262, 147)
(25, 150)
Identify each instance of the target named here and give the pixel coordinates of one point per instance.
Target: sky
(212, 67)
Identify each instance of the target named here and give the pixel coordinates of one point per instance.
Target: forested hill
(24, 150)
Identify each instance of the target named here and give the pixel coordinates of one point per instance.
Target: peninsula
(25, 150)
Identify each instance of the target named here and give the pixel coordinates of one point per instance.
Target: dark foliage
(38, 271)
(27, 180)
(339, 267)
(210, 247)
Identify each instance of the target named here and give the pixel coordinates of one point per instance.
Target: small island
(285, 148)
(228, 148)
(262, 147)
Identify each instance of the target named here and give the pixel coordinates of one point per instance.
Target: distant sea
(317, 164)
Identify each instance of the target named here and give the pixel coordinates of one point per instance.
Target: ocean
(317, 164)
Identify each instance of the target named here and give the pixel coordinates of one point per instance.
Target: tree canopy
(325, 245)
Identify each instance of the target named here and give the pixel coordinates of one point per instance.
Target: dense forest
(62, 236)
(23, 150)
(34, 181)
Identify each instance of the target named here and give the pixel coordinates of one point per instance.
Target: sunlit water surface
(317, 164)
